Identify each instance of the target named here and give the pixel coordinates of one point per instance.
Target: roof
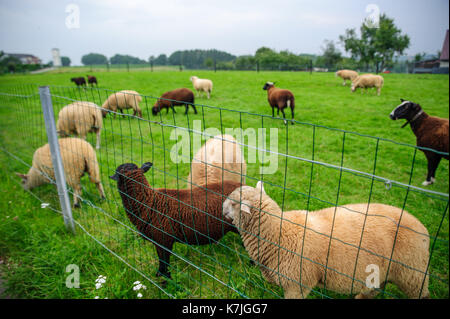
(444, 51)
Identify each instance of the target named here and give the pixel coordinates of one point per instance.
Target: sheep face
(121, 169)
(193, 78)
(25, 181)
(268, 85)
(156, 109)
(238, 206)
(406, 110)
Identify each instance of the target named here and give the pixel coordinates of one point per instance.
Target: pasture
(334, 126)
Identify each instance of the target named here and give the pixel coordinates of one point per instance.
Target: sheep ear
(245, 206)
(402, 100)
(115, 177)
(260, 186)
(146, 166)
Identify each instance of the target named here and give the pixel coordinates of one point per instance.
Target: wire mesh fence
(158, 221)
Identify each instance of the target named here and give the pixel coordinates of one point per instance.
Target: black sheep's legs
(186, 107)
(284, 116)
(195, 110)
(292, 112)
(433, 162)
(173, 109)
(164, 261)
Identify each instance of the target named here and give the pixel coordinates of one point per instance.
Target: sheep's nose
(392, 116)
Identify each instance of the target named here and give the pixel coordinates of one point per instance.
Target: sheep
(125, 99)
(346, 75)
(80, 118)
(175, 97)
(77, 156)
(79, 81)
(294, 248)
(280, 99)
(366, 81)
(431, 132)
(165, 216)
(204, 85)
(219, 159)
(92, 80)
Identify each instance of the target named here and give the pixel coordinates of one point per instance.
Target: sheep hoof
(77, 205)
(426, 183)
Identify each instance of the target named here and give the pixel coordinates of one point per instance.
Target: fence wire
(316, 168)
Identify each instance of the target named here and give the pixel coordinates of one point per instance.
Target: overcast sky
(148, 27)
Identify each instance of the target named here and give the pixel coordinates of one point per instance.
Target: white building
(56, 58)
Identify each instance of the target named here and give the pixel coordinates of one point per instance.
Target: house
(437, 65)
(24, 58)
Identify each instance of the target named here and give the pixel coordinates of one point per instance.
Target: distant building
(444, 55)
(438, 65)
(56, 58)
(24, 58)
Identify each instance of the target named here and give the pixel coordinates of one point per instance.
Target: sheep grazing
(80, 118)
(204, 85)
(79, 81)
(175, 97)
(125, 99)
(431, 132)
(219, 159)
(280, 99)
(77, 156)
(294, 248)
(165, 216)
(346, 75)
(92, 80)
(366, 81)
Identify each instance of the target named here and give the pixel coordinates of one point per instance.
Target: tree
(124, 59)
(331, 55)
(94, 58)
(160, 60)
(376, 46)
(65, 61)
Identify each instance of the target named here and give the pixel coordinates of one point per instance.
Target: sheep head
(406, 110)
(156, 109)
(268, 85)
(127, 167)
(25, 181)
(193, 78)
(238, 206)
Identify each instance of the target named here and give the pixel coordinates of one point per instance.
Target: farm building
(435, 66)
(24, 58)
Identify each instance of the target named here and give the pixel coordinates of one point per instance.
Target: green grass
(38, 248)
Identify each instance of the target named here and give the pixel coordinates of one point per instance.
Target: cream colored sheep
(346, 75)
(220, 158)
(78, 157)
(202, 85)
(366, 81)
(80, 118)
(298, 275)
(125, 99)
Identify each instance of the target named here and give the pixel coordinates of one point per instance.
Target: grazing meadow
(334, 129)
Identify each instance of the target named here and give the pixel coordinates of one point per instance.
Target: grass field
(37, 248)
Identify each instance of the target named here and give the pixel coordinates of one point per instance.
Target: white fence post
(49, 118)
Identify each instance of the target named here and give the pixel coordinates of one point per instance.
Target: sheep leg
(295, 291)
(433, 162)
(98, 140)
(186, 107)
(284, 116)
(273, 111)
(173, 109)
(100, 190)
(292, 114)
(76, 195)
(195, 110)
(164, 261)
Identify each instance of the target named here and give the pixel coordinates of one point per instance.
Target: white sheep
(346, 75)
(80, 118)
(219, 159)
(125, 99)
(363, 237)
(202, 85)
(78, 157)
(366, 81)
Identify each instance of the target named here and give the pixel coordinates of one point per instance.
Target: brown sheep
(79, 81)
(165, 216)
(280, 99)
(175, 97)
(92, 80)
(431, 132)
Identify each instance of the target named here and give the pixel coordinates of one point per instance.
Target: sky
(148, 27)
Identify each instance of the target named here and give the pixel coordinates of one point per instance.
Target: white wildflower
(139, 295)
